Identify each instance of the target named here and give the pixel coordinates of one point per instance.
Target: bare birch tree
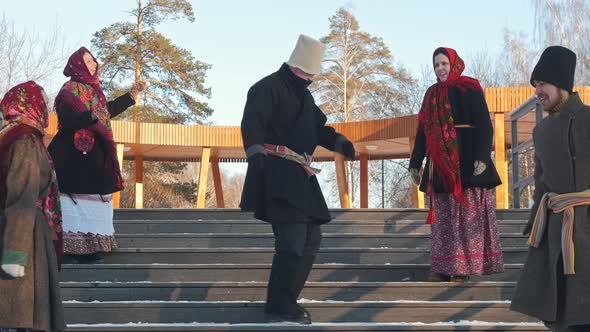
(359, 81)
(28, 55)
(566, 23)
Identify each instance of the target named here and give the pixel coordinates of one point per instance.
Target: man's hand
(345, 147)
(14, 270)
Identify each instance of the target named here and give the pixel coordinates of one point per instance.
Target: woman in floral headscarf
(30, 216)
(86, 160)
(455, 135)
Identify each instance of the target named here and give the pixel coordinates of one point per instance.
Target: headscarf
(436, 121)
(77, 70)
(25, 109)
(25, 104)
(82, 94)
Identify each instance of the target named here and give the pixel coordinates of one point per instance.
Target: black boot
(281, 296)
(70, 259)
(95, 258)
(305, 266)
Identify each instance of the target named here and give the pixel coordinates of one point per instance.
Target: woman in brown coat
(30, 217)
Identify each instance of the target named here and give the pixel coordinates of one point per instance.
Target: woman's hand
(137, 87)
(14, 270)
(415, 174)
(479, 167)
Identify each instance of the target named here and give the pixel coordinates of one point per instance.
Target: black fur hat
(557, 66)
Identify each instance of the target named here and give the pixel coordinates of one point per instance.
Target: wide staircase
(206, 270)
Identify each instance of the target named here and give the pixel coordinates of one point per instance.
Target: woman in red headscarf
(85, 158)
(30, 216)
(455, 135)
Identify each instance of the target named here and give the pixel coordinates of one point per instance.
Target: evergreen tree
(133, 51)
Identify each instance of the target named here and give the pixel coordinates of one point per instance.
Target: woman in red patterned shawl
(455, 135)
(30, 217)
(85, 157)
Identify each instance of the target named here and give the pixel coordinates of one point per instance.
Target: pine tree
(133, 51)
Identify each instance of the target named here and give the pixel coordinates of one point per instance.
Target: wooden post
(217, 182)
(418, 196)
(138, 166)
(139, 182)
(203, 174)
(342, 182)
(501, 163)
(364, 160)
(117, 195)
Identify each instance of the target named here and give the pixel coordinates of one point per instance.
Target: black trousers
(296, 246)
(297, 239)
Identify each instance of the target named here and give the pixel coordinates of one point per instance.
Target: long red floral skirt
(465, 239)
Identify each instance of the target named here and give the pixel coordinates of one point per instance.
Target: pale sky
(247, 40)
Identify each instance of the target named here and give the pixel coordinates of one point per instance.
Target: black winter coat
(562, 161)
(469, 108)
(280, 111)
(79, 173)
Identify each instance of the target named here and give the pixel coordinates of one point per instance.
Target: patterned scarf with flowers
(82, 94)
(436, 121)
(25, 109)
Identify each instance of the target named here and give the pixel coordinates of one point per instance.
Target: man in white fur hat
(281, 128)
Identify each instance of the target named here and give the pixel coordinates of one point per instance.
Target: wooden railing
(531, 104)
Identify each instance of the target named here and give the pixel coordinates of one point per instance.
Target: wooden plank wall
(500, 100)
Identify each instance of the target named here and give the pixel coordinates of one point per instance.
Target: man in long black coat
(281, 128)
(555, 282)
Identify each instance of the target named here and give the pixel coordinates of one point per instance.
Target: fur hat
(307, 55)
(557, 66)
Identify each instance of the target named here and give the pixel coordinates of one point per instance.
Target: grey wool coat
(562, 165)
(32, 301)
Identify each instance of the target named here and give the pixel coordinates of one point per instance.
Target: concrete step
(264, 255)
(254, 240)
(316, 327)
(252, 312)
(337, 214)
(252, 226)
(256, 291)
(259, 272)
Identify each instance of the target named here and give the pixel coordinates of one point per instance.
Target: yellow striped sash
(560, 203)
